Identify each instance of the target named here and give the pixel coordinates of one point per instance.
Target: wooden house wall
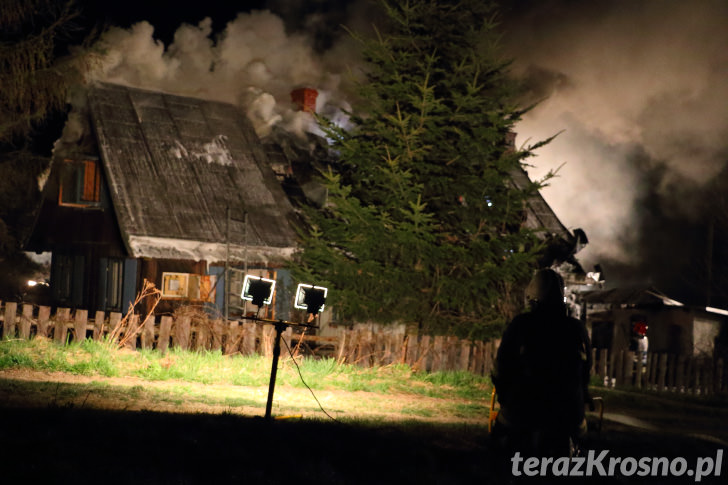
(64, 227)
(82, 241)
(152, 270)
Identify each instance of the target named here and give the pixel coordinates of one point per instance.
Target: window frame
(193, 286)
(86, 177)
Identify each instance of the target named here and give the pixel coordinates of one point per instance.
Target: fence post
(424, 353)
(680, 374)
(651, 370)
(690, 375)
(671, 370)
(709, 375)
(165, 329)
(9, 324)
(25, 321)
(375, 344)
(201, 335)
(477, 362)
(286, 337)
(603, 364)
(80, 324)
(340, 349)
(182, 332)
(638, 371)
(63, 315)
(662, 374)
(247, 346)
(44, 315)
(269, 332)
(352, 347)
(385, 348)
(490, 350)
(147, 334)
(217, 334)
(697, 388)
(464, 355)
(437, 353)
(131, 334)
(392, 349)
(628, 366)
(98, 325)
(453, 353)
(114, 321)
(617, 367)
(399, 348)
(232, 339)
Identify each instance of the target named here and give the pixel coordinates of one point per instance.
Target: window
(174, 285)
(80, 183)
(114, 282)
(110, 284)
(189, 286)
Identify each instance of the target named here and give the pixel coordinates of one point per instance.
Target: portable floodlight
(258, 290)
(310, 298)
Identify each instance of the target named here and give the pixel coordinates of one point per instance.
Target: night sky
(637, 88)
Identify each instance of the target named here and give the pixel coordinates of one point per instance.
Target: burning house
(152, 186)
(159, 187)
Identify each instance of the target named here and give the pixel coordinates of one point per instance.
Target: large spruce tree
(422, 223)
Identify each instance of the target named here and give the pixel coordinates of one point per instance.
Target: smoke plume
(254, 63)
(639, 90)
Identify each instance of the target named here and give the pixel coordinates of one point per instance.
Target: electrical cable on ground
(307, 386)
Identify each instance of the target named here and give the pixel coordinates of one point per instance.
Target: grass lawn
(89, 413)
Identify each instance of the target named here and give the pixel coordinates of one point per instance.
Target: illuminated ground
(54, 435)
(26, 388)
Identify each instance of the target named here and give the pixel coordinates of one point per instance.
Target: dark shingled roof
(175, 164)
(539, 216)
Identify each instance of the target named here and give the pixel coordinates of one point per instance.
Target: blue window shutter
(103, 275)
(219, 271)
(129, 290)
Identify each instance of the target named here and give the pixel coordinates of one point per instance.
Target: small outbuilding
(617, 317)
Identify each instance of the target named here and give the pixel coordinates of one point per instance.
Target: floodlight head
(258, 290)
(310, 298)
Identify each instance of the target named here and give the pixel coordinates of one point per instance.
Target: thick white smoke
(254, 63)
(638, 89)
(622, 78)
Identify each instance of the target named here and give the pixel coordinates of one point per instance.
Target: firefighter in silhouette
(541, 374)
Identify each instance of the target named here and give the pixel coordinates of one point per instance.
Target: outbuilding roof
(630, 297)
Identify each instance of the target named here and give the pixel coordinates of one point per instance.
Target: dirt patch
(19, 387)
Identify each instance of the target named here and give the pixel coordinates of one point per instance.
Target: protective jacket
(542, 371)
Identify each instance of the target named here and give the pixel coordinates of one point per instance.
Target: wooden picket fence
(697, 375)
(363, 346)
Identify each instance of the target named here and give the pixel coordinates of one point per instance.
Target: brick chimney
(304, 99)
